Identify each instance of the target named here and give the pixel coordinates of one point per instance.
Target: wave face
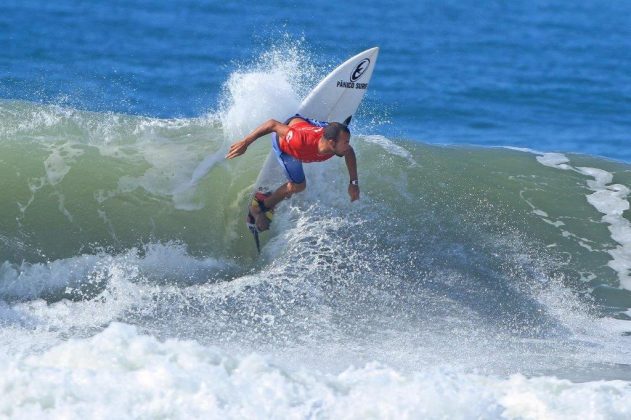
(479, 274)
(82, 187)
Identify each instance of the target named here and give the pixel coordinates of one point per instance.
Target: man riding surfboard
(299, 140)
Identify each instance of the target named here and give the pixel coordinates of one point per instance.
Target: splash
(271, 86)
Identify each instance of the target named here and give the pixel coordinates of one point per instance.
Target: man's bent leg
(281, 193)
(295, 175)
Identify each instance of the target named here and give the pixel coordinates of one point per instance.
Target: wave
(452, 253)
(75, 182)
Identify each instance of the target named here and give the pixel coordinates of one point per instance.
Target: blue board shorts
(292, 166)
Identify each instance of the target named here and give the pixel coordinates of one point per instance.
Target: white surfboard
(335, 98)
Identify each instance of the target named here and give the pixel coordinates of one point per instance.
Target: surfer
(300, 140)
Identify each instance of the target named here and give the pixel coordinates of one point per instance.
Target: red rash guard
(302, 141)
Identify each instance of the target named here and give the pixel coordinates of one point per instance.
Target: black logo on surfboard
(360, 69)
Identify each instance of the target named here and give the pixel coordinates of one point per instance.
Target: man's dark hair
(333, 130)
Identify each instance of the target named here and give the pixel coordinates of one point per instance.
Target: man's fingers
(235, 150)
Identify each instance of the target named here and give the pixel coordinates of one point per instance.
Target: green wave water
(76, 182)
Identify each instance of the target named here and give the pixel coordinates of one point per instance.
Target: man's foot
(261, 214)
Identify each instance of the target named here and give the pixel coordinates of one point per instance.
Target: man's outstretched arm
(267, 127)
(351, 164)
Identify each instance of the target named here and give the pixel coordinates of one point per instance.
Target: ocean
(484, 273)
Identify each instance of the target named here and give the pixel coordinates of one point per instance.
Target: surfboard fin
(255, 232)
(252, 226)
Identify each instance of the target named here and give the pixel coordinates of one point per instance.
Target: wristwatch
(354, 182)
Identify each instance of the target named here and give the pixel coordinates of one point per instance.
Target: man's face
(342, 144)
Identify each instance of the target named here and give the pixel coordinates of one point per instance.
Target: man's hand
(353, 191)
(237, 149)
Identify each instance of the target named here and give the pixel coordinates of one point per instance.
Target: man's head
(338, 135)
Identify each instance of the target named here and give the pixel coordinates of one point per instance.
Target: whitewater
(468, 282)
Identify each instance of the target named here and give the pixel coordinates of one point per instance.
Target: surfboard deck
(335, 98)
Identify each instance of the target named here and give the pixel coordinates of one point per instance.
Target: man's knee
(296, 188)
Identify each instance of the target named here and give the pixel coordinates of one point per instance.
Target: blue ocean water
(549, 75)
(467, 282)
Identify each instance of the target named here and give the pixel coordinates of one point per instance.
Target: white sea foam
(390, 147)
(522, 149)
(256, 97)
(554, 160)
(165, 262)
(271, 88)
(610, 200)
(121, 373)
